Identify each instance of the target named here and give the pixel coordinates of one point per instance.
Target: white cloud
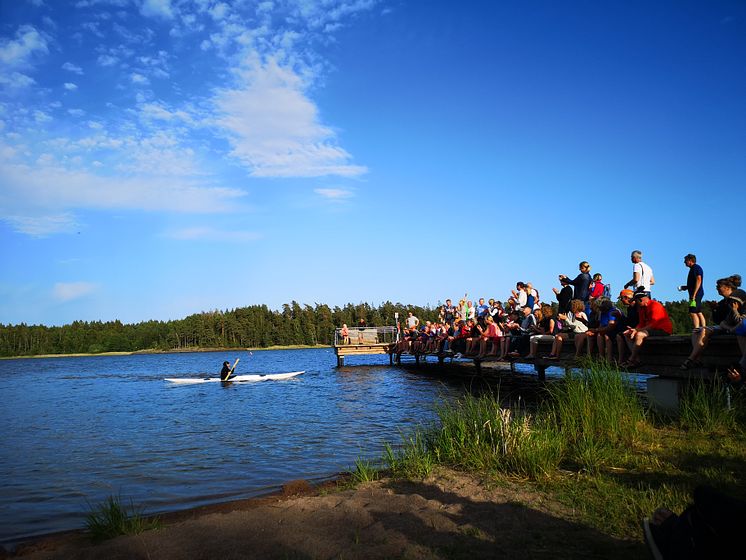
(139, 79)
(76, 112)
(16, 80)
(274, 128)
(72, 290)
(18, 53)
(219, 11)
(207, 233)
(41, 117)
(334, 194)
(157, 8)
(107, 60)
(70, 86)
(70, 67)
(41, 225)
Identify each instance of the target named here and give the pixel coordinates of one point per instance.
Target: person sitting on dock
(545, 331)
(628, 320)
(725, 316)
(576, 322)
(607, 328)
(654, 321)
(490, 339)
(520, 337)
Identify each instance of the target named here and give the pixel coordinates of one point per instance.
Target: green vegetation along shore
(591, 444)
(256, 326)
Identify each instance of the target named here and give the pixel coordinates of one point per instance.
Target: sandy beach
(448, 515)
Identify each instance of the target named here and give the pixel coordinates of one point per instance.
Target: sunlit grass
(591, 444)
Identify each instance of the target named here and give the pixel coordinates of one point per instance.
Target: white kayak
(235, 379)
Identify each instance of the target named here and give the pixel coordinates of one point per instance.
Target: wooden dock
(661, 358)
(363, 341)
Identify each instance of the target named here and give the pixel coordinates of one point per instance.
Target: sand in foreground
(449, 515)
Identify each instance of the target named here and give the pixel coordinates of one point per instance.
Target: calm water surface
(77, 430)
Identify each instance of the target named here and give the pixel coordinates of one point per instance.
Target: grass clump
(110, 519)
(707, 408)
(598, 415)
(364, 471)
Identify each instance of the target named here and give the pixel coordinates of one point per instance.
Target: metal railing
(366, 335)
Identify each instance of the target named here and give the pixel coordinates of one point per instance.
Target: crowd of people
(584, 313)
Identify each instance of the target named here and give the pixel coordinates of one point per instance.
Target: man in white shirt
(642, 274)
(412, 321)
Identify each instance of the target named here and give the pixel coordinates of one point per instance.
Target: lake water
(77, 430)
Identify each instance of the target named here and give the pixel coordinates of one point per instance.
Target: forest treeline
(255, 326)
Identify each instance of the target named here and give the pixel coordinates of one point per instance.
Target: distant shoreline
(172, 351)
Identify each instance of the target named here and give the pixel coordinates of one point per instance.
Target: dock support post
(340, 361)
(541, 371)
(478, 366)
(441, 358)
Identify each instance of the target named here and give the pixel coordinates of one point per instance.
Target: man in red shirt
(654, 321)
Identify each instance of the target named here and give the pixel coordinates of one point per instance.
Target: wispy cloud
(70, 67)
(206, 233)
(42, 225)
(334, 194)
(69, 291)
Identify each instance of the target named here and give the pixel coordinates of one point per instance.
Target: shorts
(697, 308)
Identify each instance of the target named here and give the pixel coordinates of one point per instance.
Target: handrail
(366, 335)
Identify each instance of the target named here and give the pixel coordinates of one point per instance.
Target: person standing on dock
(448, 313)
(642, 274)
(696, 292)
(582, 284)
(412, 321)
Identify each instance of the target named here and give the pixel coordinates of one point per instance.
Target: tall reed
(598, 414)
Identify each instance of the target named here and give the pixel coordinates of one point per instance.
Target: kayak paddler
(226, 371)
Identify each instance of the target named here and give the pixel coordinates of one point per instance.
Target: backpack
(607, 291)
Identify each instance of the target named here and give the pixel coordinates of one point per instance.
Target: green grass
(364, 471)
(591, 445)
(110, 519)
(706, 408)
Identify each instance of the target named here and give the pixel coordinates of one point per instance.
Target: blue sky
(164, 157)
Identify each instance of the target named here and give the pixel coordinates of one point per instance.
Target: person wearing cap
(642, 274)
(694, 287)
(654, 321)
